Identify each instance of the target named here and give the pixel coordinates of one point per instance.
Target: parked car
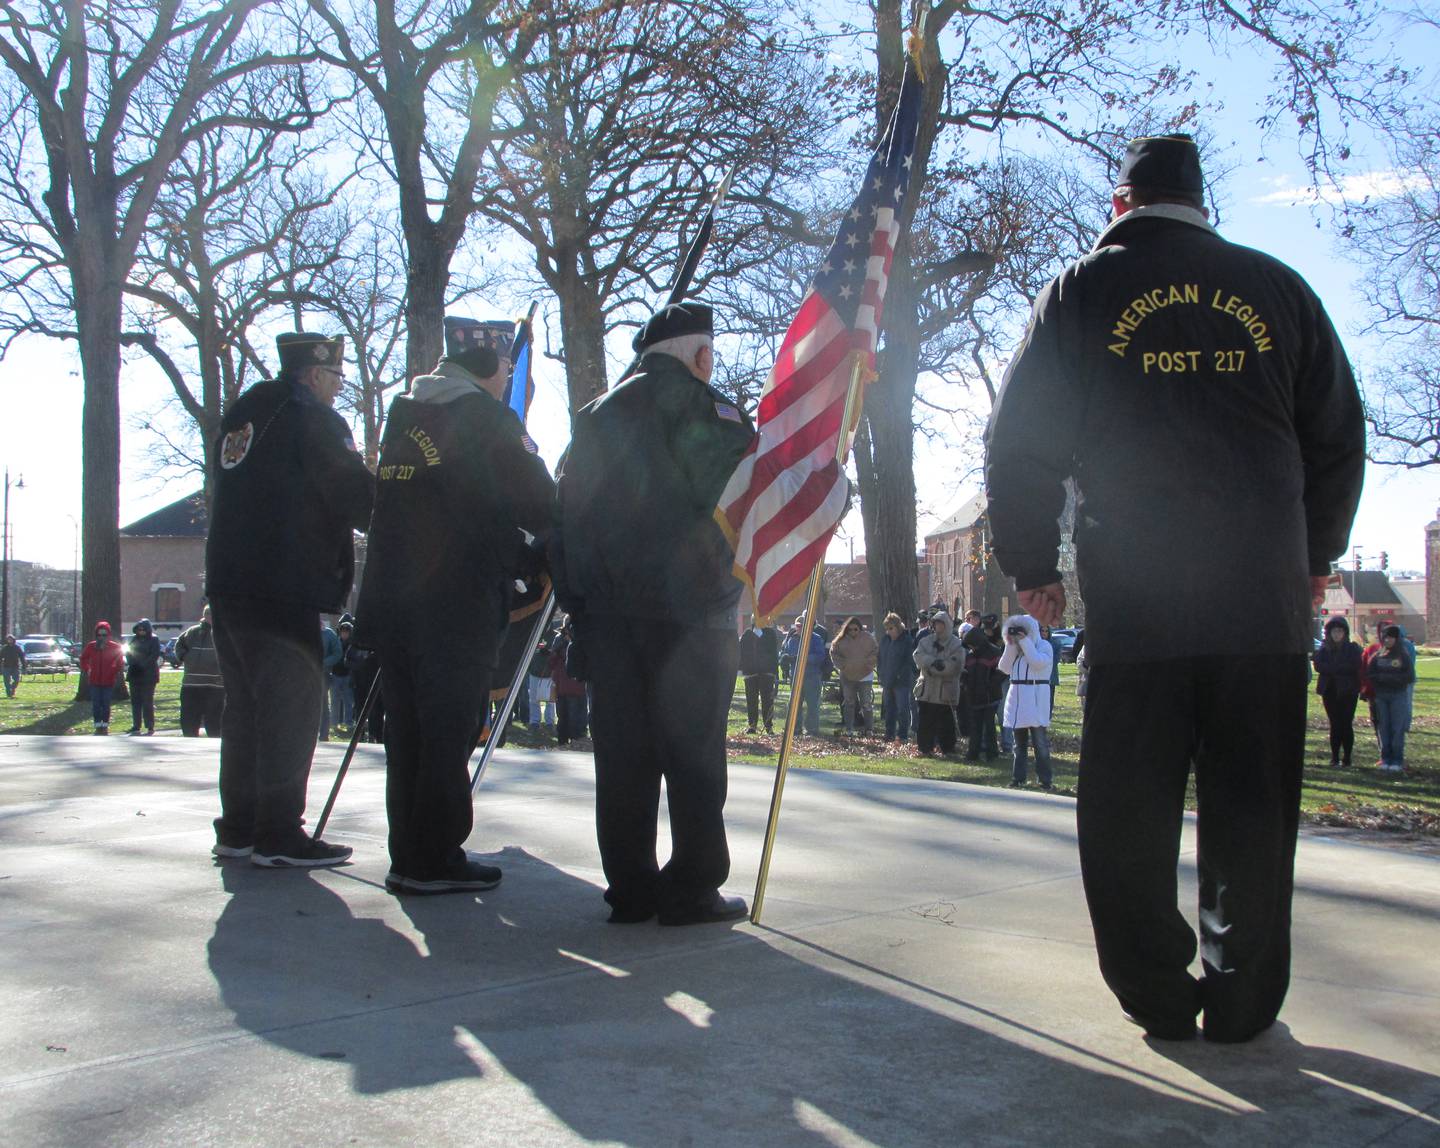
(44, 656)
(73, 649)
(1066, 638)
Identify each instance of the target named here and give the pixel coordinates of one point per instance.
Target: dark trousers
(980, 730)
(937, 724)
(661, 697)
(570, 717)
(142, 705)
(760, 699)
(274, 687)
(201, 706)
(437, 692)
(1146, 725)
(1340, 709)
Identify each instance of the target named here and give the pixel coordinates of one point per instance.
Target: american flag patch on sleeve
(728, 412)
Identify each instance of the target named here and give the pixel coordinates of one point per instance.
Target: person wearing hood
(1027, 660)
(1196, 396)
(460, 494)
(1390, 672)
(290, 490)
(1337, 666)
(981, 687)
(102, 661)
(142, 675)
(647, 577)
(202, 689)
(939, 657)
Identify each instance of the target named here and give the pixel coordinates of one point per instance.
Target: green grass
(1359, 796)
(45, 703)
(1356, 796)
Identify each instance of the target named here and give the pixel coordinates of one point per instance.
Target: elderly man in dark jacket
(1201, 401)
(459, 492)
(202, 689)
(645, 574)
(290, 490)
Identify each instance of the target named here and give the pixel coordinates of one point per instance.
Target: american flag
(786, 497)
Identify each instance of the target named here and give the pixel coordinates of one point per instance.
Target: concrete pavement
(924, 975)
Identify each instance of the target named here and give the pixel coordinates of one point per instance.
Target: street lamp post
(5, 555)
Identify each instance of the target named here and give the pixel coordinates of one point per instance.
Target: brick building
(964, 573)
(845, 593)
(162, 567)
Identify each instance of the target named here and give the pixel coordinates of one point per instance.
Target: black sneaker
(305, 853)
(470, 876)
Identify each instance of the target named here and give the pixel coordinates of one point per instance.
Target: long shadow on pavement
(709, 1035)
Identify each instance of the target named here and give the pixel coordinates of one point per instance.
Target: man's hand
(1046, 604)
(1318, 584)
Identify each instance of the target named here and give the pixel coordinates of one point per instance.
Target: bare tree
(243, 226)
(415, 67)
(1075, 76)
(608, 142)
(102, 97)
(1395, 234)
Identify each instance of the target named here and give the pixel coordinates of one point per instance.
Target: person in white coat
(1027, 659)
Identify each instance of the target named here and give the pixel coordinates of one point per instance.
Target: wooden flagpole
(797, 677)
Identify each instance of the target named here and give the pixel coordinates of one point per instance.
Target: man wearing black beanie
(1198, 396)
(645, 574)
(459, 494)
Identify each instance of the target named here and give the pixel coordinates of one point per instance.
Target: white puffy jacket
(1027, 661)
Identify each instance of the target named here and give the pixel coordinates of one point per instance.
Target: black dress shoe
(716, 907)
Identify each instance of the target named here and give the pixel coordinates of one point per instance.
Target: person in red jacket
(102, 662)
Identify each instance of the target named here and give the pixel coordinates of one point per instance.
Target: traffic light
(1384, 561)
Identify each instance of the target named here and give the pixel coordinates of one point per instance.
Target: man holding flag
(645, 574)
(459, 489)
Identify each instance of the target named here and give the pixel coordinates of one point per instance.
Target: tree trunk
(429, 275)
(97, 316)
(887, 476)
(582, 333)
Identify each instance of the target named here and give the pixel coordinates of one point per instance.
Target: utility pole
(5, 555)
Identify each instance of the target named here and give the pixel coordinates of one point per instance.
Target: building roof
(965, 517)
(186, 518)
(1370, 588)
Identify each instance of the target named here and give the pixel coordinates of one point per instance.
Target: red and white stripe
(785, 499)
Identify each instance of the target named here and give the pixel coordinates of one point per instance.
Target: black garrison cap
(1166, 164)
(673, 321)
(301, 349)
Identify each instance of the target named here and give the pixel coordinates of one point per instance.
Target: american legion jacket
(636, 535)
(1199, 396)
(289, 491)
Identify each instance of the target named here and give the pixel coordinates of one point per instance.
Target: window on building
(167, 604)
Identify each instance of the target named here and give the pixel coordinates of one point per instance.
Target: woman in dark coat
(1337, 662)
(142, 672)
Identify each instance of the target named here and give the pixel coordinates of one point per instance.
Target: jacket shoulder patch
(728, 411)
(236, 446)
